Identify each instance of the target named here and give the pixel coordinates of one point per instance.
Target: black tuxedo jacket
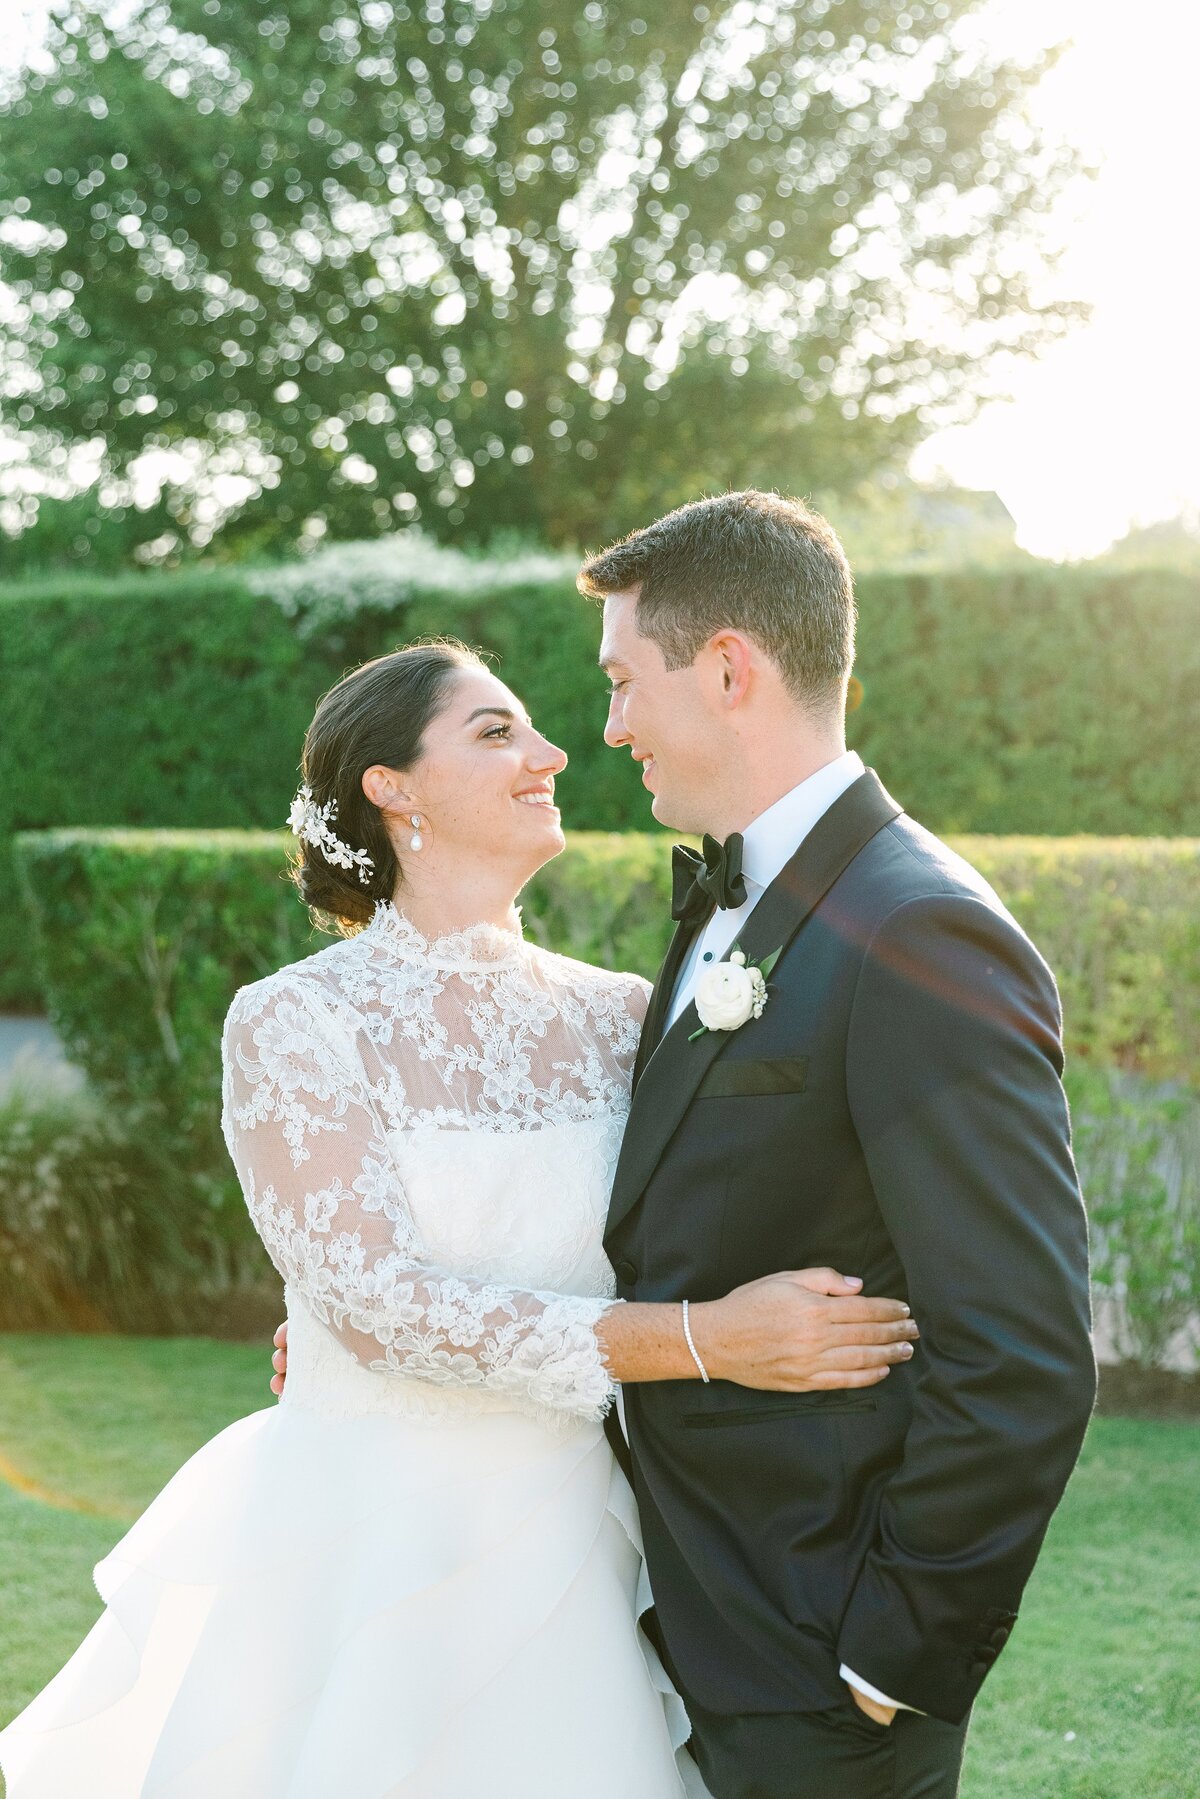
(895, 1113)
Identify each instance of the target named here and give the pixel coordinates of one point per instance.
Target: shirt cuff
(870, 1692)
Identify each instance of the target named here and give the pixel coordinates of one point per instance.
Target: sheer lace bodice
(426, 1132)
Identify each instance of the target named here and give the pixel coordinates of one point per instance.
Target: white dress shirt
(768, 845)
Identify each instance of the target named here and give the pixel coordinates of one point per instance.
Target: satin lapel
(674, 1068)
(664, 987)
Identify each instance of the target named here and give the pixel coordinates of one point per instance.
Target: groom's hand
(801, 1332)
(279, 1360)
(882, 1714)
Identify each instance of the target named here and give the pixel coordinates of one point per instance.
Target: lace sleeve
(325, 1195)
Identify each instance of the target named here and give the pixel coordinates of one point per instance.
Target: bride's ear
(382, 788)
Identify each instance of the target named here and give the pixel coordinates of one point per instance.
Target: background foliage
(1035, 701)
(97, 1229)
(381, 259)
(1138, 1144)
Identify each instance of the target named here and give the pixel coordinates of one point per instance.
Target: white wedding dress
(419, 1575)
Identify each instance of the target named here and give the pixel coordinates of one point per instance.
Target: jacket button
(625, 1271)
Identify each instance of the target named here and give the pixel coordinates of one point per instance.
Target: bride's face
(484, 782)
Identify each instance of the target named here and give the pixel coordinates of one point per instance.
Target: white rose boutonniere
(732, 993)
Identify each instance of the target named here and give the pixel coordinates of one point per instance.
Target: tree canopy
(508, 263)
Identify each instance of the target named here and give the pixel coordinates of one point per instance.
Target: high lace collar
(477, 949)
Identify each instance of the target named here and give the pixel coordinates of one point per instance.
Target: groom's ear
(734, 654)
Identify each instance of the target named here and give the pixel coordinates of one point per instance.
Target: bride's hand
(794, 1332)
(279, 1360)
(801, 1331)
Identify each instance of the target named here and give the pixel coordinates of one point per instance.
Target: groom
(834, 1572)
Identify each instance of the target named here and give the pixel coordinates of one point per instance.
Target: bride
(419, 1576)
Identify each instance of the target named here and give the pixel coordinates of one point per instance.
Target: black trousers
(834, 1754)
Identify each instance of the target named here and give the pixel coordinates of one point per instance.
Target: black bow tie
(713, 879)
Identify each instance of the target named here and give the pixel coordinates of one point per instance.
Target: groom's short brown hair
(750, 561)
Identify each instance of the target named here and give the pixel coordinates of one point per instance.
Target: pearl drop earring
(416, 841)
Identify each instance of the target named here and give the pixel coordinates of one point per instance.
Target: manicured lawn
(1097, 1697)
(1108, 1642)
(102, 1422)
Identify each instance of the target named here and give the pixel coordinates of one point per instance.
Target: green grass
(1107, 1642)
(102, 1421)
(1105, 1647)
(110, 1419)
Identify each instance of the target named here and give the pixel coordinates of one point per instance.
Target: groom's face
(663, 716)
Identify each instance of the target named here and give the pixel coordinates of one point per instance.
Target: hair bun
(323, 891)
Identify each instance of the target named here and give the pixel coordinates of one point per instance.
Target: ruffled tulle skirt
(381, 1606)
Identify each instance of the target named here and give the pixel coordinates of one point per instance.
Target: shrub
(1138, 1148)
(1049, 700)
(388, 574)
(97, 1228)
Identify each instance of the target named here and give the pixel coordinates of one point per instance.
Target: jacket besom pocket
(731, 1079)
(830, 1400)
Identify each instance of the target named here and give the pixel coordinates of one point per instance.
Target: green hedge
(143, 937)
(1118, 919)
(1049, 701)
(1046, 702)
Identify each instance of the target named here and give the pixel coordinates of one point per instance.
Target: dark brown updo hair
(379, 712)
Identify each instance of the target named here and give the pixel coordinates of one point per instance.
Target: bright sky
(1102, 432)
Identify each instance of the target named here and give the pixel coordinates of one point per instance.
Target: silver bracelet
(687, 1331)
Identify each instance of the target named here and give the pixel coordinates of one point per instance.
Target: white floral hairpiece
(312, 823)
